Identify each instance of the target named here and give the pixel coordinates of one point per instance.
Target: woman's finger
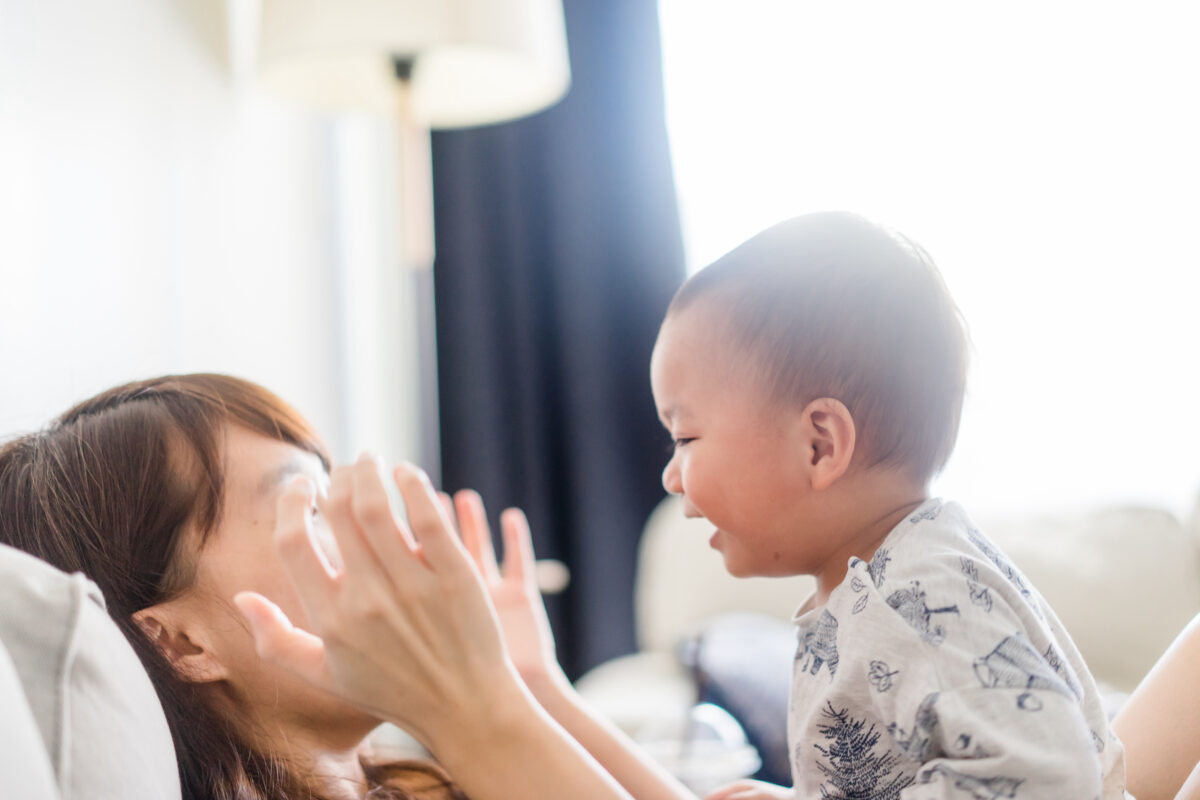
(518, 547)
(278, 641)
(428, 521)
(476, 535)
(352, 542)
(374, 515)
(448, 507)
(310, 572)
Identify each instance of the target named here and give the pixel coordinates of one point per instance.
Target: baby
(812, 381)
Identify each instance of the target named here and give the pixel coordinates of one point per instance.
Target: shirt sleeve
(991, 743)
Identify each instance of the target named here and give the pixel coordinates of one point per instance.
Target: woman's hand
(512, 587)
(405, 630)
(752, 790)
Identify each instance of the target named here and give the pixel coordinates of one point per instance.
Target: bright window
(1045, 153)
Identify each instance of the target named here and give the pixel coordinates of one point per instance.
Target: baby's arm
(1032, 744)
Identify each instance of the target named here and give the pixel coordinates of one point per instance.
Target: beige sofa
(1124, 580)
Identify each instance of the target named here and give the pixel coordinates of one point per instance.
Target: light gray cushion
(24, 769)
(100, 720)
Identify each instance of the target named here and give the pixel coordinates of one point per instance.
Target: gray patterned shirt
(936, 671)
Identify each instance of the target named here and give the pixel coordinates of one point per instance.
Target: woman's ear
(829, 430)
(183, 643)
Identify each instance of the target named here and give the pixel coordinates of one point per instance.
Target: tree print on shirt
(853, 767)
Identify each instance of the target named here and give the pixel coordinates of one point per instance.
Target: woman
(173, 495)
(161, 492)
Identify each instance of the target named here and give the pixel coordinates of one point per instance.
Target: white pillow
(24, 769)
(100, 720)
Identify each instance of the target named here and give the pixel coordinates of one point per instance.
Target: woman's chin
(353, 716)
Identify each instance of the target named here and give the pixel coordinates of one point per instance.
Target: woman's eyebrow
(273, 478)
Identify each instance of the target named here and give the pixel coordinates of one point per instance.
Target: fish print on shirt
(854, 768)
(910, 604)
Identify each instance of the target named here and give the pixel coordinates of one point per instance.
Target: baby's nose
(670, 478)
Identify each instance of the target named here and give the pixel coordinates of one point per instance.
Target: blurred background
(167, 205)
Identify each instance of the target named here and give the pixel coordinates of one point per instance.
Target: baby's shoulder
(936, 539)
(937, 555)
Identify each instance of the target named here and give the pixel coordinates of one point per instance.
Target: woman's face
(239, 555)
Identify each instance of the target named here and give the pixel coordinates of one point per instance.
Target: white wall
(154, 220)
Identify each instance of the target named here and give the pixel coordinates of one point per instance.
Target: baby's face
(736, 460)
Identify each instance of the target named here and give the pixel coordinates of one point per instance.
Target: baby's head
(821, 350)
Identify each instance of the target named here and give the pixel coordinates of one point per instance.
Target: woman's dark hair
(109, 489)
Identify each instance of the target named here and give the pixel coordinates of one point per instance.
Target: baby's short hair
(832, 305)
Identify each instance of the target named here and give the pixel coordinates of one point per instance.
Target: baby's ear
(184, 644)
(830, 432)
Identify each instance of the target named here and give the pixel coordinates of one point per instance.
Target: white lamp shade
(474, 61)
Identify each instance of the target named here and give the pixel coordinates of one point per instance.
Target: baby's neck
(881, 504)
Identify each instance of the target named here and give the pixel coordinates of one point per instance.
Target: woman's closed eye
(325, 540)
(681, 441)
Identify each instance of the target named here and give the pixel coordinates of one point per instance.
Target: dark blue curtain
(558, 249)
